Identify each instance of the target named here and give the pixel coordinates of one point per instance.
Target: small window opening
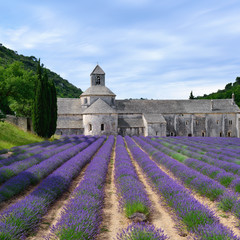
(217, 121)
(171, 134)
(102, 127)
(98, 80)
(112, 100)
(203, 134)
(220, 134)
(230, 122)
(197, 123)
(186, 122)
(90, 127)
(156, 133)
(189, 135)
(229, 134)
(85, 100)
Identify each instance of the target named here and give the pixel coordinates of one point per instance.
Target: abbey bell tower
(97, 77)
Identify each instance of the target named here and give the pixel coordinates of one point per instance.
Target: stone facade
(97, 112)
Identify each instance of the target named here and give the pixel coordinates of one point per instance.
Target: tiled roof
(98, 90)
(97, 70)
(69, 106)
(176, 106)
(154, 118)
(99, 107)
(126, 122)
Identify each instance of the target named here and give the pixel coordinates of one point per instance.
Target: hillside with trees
(18, 78)
(63, 87)
(227, 92)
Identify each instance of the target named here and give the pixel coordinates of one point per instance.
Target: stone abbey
(98, 112)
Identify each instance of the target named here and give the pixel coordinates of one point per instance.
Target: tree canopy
(16, 89)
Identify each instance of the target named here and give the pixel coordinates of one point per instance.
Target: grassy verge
(11, 136)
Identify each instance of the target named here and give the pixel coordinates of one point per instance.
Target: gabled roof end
(97, 70)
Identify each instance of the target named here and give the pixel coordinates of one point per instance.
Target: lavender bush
(37, 172)
(133, 197)
(24, 216)
(82, 215)
(193, 214)
(141, 231)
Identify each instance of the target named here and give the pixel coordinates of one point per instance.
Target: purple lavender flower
(82, 215)
(133, 197)
(24, 216)
(140, 231)
(187, 208)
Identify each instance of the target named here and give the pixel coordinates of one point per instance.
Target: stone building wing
(99, 107)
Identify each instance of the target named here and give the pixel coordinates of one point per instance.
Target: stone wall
(69, 131)
(22, 122)
(100, 124)
(202, 125)
(131, 131)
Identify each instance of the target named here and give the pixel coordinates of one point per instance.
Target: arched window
(102, 127)
(229, 134)
(90, 127)
(203, 134)
(220, 134)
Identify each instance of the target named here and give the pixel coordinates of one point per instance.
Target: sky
(150, 49)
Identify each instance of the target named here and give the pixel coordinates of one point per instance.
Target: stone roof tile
(154, 118)
(99, 107)
(69, 106)
(176, 106)
(97, 70)
(126, 122)
(98, 90)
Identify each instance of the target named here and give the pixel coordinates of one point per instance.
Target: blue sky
(148, 48)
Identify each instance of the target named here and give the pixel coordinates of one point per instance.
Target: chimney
(211, 104)
(233, 100)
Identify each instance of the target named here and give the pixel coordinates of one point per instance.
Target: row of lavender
(37, 172)
(227, 173)
(228, 149)
(21, 152)
(24, 216)
(82, 214)
(198, 219)
(204, 185)
(14, 165)
(133, 197)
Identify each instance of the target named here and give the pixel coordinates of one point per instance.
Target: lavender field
(131, 188)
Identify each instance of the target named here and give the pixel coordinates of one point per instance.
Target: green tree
(53, 108)
(39, 106)
(44, 115)
(16, 89)
(191, 95)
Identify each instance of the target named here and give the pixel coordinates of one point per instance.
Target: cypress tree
(191, 95)
(37, 105)
(39, 112)
(53, 108)
(44, 113)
